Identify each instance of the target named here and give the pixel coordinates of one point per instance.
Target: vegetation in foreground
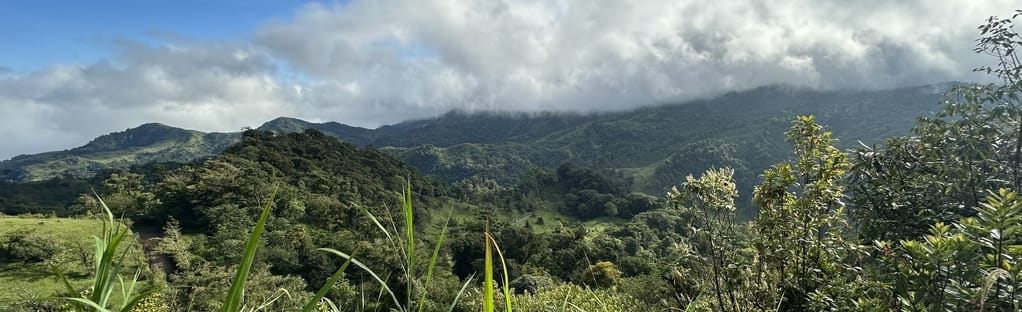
(32, 248)
(925, 222)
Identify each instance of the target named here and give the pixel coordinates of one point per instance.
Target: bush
(603, 274)
(28, 246)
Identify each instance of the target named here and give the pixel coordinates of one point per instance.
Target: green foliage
(944, 169)
(175, 245)
(933, 273)
(603, 274)
(28, 246)
(32, 286)
(574, 191)
(996, 230)
(53, 196)
(566, 297)
(799, 238)
(711, 199)
(107, 272)
(236, 296)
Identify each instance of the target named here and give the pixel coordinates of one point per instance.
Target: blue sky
(37, 33)
(72, 70)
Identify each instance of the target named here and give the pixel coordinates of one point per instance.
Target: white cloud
(369, 62)
(207, 87)
(586, 55)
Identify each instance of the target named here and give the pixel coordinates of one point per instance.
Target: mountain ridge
(147, 143)
(650, 147)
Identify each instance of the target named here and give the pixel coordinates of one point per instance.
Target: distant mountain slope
(353, 135)
(449, 129)
(147, 143)
(652, 147)
(656, 147)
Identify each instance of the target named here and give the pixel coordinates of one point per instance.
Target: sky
(73, 70)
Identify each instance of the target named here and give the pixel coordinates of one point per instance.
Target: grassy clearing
(552, 220)
(642, 177)
(603, 224)
(37, 280)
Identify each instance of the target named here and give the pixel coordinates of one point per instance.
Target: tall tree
(798, 234)
(945, 168)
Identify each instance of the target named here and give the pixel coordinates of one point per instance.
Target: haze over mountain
(85, 69)
(648, 149)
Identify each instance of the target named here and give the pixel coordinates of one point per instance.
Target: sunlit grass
(36, 281)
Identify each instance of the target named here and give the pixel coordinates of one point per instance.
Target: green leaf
(359, 264)
(487, 274)
(236, 295)
(326, 287)
(406, 205)
(90, 303)
(460, 292)
(432, 261)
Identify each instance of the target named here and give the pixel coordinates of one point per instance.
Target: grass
(36, 280)
(642, 177)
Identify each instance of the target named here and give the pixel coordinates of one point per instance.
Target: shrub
(29, 247)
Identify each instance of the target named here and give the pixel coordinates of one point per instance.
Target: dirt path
(150, 238)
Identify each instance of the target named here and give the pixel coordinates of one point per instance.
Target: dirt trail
(150, 238)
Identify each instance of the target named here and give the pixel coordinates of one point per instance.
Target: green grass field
(73, 238)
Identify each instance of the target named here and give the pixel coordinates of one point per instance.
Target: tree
(798, 234)
(603, 274)
(127, 194)
(711, 199)
(943, 170)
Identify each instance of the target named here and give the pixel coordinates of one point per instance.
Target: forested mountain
(147, 143)
(651, 148)
(648, 148)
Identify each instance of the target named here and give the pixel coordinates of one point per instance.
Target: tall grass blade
(126, 294)
(577, 308)
(988, 283)
(503, 265)
(130, 305)
(368, 270)
(106, 268)
(432, 262)
(67, 285)
(326, 287)
(333, 307)
(564, 304)
(375, 221)
(457, 297)
(89, 303)
(594, 296)
(63, 279)
(236, 295)
(406, 205)
(280, 293)
(488, 274)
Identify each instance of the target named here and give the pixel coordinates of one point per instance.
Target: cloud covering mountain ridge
(369, 63)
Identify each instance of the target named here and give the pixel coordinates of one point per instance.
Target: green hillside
(148, 143)
(651, 149)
